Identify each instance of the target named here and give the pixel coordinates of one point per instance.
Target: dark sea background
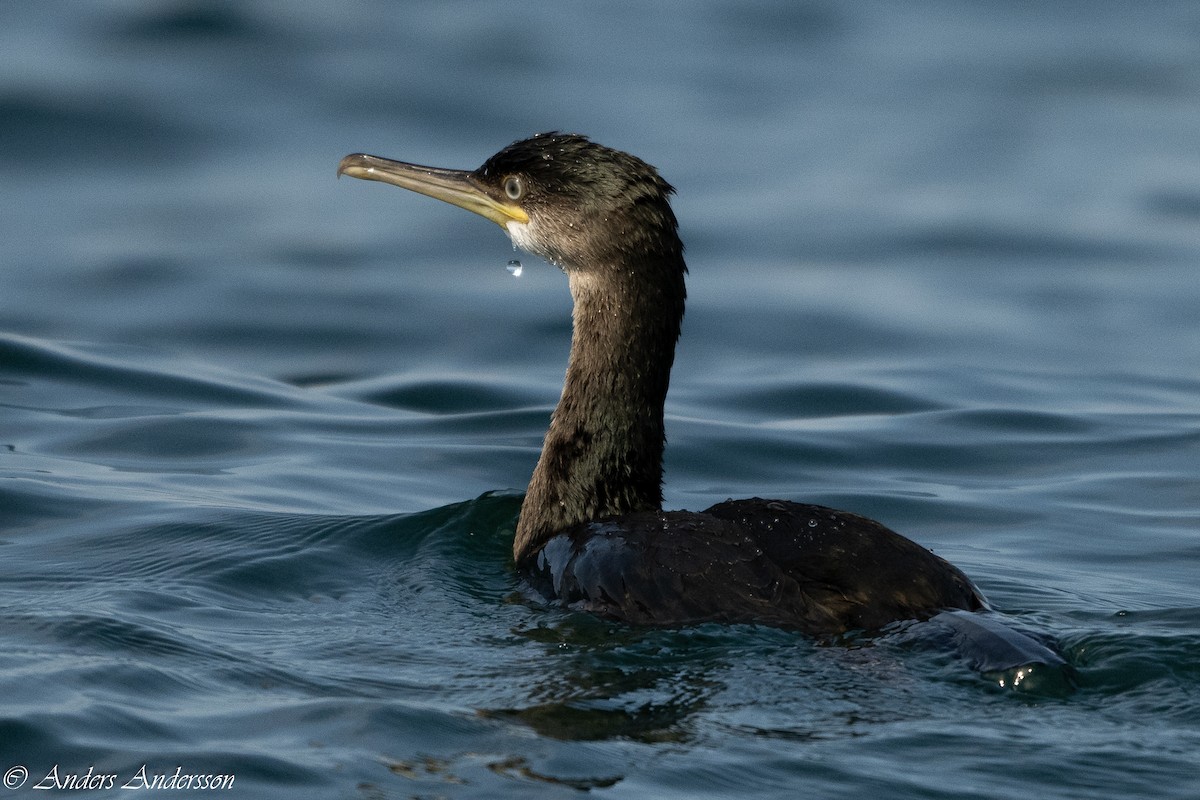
(263, 433)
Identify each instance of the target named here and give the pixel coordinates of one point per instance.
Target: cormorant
(592, 533)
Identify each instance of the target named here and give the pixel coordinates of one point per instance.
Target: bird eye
(513, 187)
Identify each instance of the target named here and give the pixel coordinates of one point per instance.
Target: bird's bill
(454, 186)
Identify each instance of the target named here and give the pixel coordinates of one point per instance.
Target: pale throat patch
(525, 236)
(522, 235)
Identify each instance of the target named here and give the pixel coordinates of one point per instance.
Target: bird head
(580, 205)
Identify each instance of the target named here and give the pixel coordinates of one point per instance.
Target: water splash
(515, 269)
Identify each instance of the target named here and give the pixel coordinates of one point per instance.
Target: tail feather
(996, 650)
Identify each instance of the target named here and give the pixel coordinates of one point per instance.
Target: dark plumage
(592, 532)
(767, 561)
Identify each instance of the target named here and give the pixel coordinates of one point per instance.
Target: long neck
(603, 453)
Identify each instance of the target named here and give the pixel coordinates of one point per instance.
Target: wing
(862, 572)
(807, 568)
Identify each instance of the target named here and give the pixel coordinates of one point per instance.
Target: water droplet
(515, 269)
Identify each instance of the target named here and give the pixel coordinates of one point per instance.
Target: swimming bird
(592, 533)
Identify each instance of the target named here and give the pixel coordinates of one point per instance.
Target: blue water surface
(263, 434)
